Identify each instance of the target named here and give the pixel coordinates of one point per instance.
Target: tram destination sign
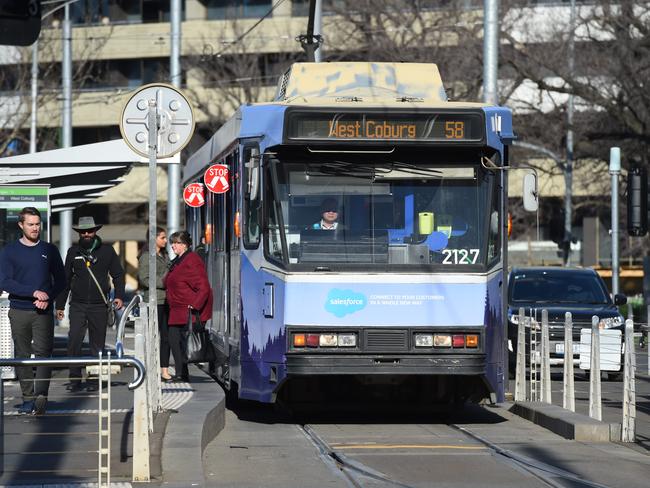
(374, 126)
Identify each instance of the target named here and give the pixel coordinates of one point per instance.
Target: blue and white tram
(407, 291)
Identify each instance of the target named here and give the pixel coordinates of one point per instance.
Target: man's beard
(86, 242)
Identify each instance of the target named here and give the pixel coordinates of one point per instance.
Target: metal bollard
(141, 471)
(629, 386)
(569, 396)
(546, 360)
(520, 369)
(533, 328)
(595, 396)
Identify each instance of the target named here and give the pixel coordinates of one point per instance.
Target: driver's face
(330, 216)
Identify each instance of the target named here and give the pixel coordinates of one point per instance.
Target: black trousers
(32, 332)
(176, 345)
(91, 317)
(163, 331)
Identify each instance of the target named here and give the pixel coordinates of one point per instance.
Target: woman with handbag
(162, 265)
(189, 298)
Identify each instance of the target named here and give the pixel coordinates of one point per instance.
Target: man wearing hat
(88, 265)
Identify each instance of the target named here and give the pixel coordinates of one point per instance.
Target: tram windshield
(340, 214)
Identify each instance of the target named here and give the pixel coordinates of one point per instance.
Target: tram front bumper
(364, 364)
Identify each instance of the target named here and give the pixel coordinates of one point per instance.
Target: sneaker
(26, 408)
(40, 404)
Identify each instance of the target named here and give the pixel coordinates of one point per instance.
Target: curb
(568, 424)
(182, 449)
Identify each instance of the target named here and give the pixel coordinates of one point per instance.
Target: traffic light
(637, 202)
(20, 22)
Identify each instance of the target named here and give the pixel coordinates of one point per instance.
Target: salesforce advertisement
(403, 304)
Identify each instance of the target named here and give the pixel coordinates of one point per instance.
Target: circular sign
(216, 178)
(194, 195)
(174, 115)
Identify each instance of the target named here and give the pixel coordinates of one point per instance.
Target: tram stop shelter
(56, 181)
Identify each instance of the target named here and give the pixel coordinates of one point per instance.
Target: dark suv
(580, 291)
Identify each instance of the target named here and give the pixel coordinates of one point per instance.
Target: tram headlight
(442, 340)
(423, 340)
(328, 340)
(347, 340)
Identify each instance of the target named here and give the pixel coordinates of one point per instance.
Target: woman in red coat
(187, 288)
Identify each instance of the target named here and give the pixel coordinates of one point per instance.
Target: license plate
(559, 348)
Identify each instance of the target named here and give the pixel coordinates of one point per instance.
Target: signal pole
(490, 51)
(65, 216)
(614, 171)
(174, 169)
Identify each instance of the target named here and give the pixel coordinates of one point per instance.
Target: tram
(359, 243)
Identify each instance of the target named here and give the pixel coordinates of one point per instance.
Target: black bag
(197, 345)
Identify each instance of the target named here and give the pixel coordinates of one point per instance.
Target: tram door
(233, 229)
(217, 267)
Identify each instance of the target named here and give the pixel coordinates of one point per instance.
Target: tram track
(357, 474)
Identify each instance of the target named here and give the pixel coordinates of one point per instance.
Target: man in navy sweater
(32, 272)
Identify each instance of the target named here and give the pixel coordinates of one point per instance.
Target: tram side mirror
(253, 165)
(530, 193)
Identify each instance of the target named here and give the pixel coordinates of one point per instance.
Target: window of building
(236, 9)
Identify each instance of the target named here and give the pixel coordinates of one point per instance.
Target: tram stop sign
(194, 195)
(174, 115)
(216, 178)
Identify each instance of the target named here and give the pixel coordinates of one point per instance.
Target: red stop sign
(194, 195)
(216, 178)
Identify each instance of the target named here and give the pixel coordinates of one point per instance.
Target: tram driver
(329, 210)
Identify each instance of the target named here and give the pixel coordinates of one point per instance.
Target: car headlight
(514, 318)
(610, 322)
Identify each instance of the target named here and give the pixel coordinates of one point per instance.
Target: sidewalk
(60, 448)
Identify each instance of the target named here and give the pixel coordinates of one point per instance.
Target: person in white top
(329, 215)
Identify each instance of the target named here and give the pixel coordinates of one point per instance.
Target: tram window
(233, 208)
(251, 203)
(216, 203)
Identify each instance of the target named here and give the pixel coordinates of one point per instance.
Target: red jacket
(187, 284)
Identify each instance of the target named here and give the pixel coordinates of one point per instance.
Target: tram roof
(339, 85)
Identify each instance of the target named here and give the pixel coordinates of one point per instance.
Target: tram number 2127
(460, 256)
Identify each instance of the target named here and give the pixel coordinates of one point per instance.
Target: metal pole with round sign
(157, 122)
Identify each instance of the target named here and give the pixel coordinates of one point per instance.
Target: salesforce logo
(343, 302)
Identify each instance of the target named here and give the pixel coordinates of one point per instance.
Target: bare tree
(16, 77)
(230, 71)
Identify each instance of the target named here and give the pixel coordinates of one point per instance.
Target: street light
(34, 84)
(614, 171)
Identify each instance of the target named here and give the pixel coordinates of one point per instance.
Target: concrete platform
(567, 424)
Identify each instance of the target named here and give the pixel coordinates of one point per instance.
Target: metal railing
(81, 361)
(601, 347)
(104, 407)
(121, 326)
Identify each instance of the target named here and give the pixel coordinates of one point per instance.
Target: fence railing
(104, 368)
(147, 399)
(600, 350)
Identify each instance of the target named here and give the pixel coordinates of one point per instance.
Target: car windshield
(558, 287)
(340, 213)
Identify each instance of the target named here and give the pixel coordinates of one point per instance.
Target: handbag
(110, 309)
(197, 345)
